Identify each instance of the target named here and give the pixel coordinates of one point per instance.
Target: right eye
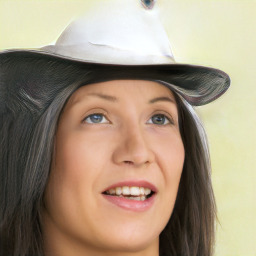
(96, 118)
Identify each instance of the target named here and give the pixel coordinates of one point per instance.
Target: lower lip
(129, 204)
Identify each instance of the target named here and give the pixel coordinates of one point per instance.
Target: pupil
(96, 118)
(159, 119)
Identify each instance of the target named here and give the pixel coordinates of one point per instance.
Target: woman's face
(116, 168)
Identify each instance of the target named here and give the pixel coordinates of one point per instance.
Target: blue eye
(159, 119)
(148, 4)
(96, 119)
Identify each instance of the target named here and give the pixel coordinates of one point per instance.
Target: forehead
(121, 89)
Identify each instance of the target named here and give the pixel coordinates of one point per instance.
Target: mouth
(137, 196)
(130, 192)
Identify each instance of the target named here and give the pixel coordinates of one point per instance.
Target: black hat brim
(199, 85)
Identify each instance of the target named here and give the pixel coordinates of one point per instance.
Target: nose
(133, 148)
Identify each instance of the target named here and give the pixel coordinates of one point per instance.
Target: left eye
(96, 119)
(159, 119)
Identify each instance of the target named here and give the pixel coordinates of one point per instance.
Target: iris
(94, 118)
(160, 119)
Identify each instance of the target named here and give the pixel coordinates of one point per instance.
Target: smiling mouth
(132, 193)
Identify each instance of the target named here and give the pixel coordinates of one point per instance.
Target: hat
(125, 37)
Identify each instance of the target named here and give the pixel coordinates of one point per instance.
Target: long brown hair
(27, 129)
(191, 228)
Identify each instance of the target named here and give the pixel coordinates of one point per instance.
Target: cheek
(77, 167)
(174, 161)
(171, 154)
(76, 158)
(73, 183)
(69, 178)
(171, 157)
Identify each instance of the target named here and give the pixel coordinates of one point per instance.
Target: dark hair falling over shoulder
(191, 229)
(27, 129)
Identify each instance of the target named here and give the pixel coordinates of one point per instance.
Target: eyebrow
(114, 99)
(168, 99)
(104, 96)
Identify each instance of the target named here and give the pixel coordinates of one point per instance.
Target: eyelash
(168, 119)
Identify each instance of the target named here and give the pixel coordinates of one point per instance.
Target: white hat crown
(116, 32)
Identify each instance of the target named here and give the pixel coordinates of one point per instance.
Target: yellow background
(220, 34)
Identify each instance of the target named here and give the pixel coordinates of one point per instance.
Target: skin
(128, 144)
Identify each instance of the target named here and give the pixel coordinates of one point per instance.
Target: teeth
(136, 198)
(112, 191)
(118, 191)
(147, 191)
(135, 191)
(126, 191)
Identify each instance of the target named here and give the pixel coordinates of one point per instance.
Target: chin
(130, 241)
(130, 245)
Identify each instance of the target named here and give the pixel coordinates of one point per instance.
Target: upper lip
(133, 183)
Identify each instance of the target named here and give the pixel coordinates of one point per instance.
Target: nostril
(128, 162)
(133, 163)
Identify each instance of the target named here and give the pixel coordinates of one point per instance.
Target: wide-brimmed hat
(125, 37)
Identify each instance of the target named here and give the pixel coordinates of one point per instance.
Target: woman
(101, 152)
